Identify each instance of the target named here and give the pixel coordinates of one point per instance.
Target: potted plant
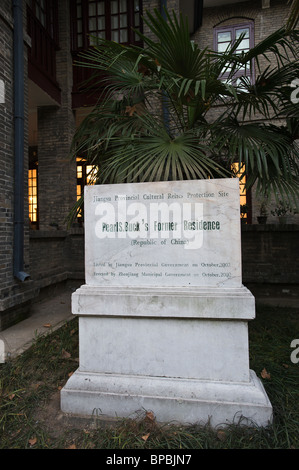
(282, 210)
(243, 212)
(262, 218)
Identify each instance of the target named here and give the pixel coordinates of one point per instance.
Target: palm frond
(269, 157)
(126, 137)
(293, 16)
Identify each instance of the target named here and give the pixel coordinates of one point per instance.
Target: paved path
(46, 316)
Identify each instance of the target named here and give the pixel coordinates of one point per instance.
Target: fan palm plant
(294, 14)
(165, 112)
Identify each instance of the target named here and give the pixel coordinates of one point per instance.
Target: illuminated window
(86, 175)
(32, 195)
(244, 199)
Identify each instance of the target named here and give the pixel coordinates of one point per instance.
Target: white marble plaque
(182, 233)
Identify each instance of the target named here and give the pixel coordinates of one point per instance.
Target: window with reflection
(225, 36)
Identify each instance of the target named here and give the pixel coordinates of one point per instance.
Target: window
(40, 11)
(46, 12)
(226, 35)
(86, 175)
(245, 196)
(32, 195)
(113, 20)
(33, 188)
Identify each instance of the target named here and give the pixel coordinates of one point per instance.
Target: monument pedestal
(180, 352)
(163, 316)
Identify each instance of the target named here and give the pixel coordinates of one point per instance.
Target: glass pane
(123, 35)
(79, 40)
(223, 46)
(91, 172)
(114, 36)
(114, 6)
(101, 8)
(227, 68)
(123, 6)
(136, 5)
(92, 11)
(136, 19)
(101, 23)
(114, 22)
(92, 24)
(79, 26)
(224, 36)
(124, 22)
(93, 40)
(79, 171)
(244, 44)
(79, 11)
(43, 19)
(32, 195)
(242, 31)
(241, 85)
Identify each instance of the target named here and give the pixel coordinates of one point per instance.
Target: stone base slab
(186, 401)
(180, 352)
(173, 302)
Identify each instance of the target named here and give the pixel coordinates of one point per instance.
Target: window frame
(248, 71)
(49, 8)
(85, 17)
(85, 174)
(33, 199)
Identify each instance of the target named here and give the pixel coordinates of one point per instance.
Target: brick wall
(56, 127)
(266, 21)
(57, 172)
(6, 145)
(270, 267)
(270, 263)
(56, 256)
(14, 295)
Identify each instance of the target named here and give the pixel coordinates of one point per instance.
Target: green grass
(28, 383)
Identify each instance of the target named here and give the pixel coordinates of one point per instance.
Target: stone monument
(163, 315)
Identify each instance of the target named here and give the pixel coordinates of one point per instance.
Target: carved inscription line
(154, 220)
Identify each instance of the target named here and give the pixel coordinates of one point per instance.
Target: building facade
(42, 103)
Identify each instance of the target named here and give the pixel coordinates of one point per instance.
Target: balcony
(42, 57)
